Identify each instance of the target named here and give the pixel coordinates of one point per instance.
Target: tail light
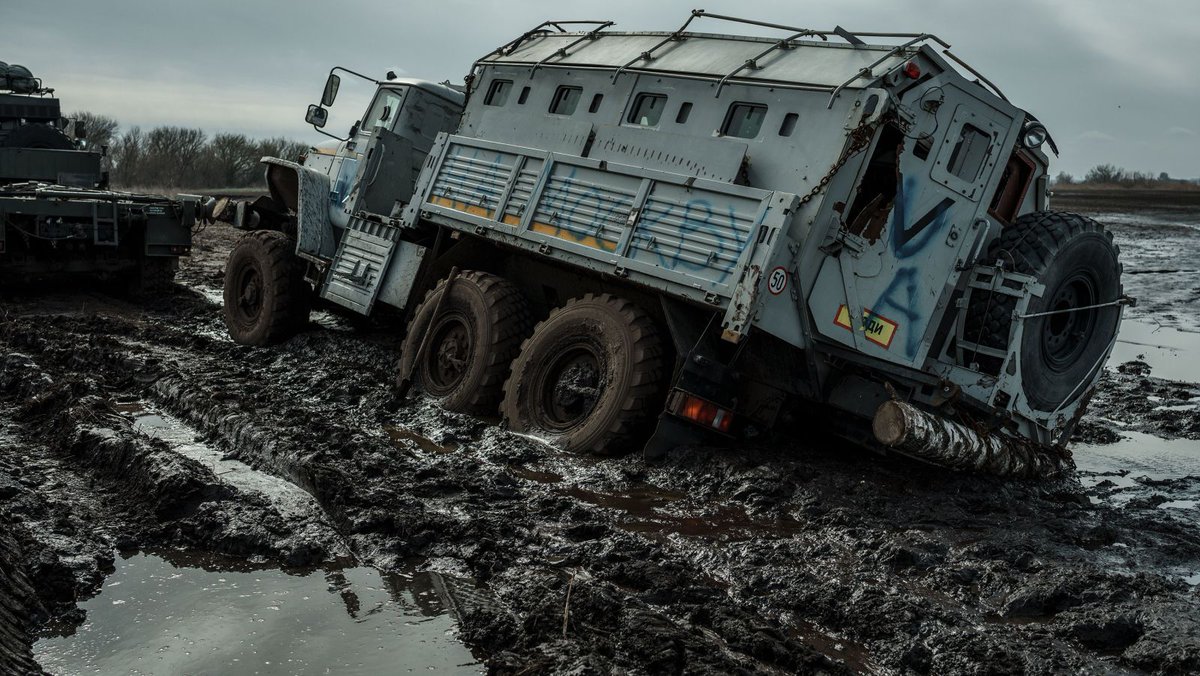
(700, 411)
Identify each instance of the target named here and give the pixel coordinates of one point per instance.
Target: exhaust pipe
(914, 432)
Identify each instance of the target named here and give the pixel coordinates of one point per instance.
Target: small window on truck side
(498, 93)
(969, 153)
(744, 120)
(647, 109)
(565, 100)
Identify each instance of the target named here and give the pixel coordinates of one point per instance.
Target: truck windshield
(383, 111)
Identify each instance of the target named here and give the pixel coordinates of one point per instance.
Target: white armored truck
(639, 240)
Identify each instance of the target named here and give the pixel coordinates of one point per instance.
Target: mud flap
(671, 432)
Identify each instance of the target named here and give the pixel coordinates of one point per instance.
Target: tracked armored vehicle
(642, 240)
(57, 217)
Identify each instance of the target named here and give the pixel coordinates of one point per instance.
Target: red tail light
(701, 412)
(912, 70)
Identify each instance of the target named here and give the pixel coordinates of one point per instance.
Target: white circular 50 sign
(778, 280)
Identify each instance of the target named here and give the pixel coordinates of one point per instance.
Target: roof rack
(853, 38)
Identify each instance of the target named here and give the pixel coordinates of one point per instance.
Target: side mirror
(80, 130)
(331, 90)
(316, 116)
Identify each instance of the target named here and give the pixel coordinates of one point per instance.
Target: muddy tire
(589, 378)
(37, 136)
(472, 341)
(266, 297)
(1077, 261)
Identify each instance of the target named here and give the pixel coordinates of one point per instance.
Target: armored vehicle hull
(694, 235)
(57, 219)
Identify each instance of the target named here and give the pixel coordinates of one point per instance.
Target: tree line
(181, 157)
(1110, 174)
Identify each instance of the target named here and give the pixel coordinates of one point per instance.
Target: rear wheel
(589, 378)
(1077, 261)
(267, 299)
(471, 342)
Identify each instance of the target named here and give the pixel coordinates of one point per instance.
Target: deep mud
(797, 555)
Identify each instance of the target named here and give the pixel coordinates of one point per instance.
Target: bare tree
(101, 129)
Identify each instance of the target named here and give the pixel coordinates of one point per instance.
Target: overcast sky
(1114, 80)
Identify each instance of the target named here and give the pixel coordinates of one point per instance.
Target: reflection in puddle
(1141, 454)
(1168, 351)
(183, 615)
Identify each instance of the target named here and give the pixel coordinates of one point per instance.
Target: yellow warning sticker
(878, 329)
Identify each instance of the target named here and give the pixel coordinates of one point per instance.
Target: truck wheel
(589, 377)
(1077, 261)
(266, 297)
(37, 136)
(471, 342)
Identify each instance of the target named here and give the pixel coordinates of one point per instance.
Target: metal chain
(858, 142)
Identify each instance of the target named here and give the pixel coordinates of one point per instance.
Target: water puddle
(1169, 352)
(289, 499)
(1139, 454)
(652, 510)
(171, 613)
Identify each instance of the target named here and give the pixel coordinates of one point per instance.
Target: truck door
(920, 207)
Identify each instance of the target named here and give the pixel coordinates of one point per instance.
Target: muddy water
(1171, 353)
(188, 615)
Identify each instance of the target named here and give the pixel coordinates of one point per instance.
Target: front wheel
(589, 378)
(266, 297)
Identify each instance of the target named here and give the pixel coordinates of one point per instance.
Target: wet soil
(141, 427)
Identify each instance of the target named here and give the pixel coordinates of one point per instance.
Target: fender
(304, 192)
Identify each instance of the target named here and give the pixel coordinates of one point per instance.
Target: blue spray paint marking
(907, 241)
(698, 216)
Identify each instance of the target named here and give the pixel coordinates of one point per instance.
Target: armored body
(614, 237)
(57, 217)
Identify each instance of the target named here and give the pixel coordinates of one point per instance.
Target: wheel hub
(1067, 332)
(574, 388)
(449, 355)
(250, 293)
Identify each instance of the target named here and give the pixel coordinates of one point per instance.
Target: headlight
(1034, 135)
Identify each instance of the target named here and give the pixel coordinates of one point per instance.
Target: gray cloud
(1080, 65)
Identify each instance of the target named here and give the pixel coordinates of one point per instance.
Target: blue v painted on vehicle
(909, 237)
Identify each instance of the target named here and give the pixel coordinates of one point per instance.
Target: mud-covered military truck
(626, 240)
(57, 217)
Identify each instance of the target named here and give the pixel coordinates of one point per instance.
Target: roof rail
(561, 53)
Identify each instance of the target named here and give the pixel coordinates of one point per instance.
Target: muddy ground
(796, 555)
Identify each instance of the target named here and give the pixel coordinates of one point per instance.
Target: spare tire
(38, 136)
(1077, 261)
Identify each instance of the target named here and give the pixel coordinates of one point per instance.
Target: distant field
(210, 192)
(1118, 199)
